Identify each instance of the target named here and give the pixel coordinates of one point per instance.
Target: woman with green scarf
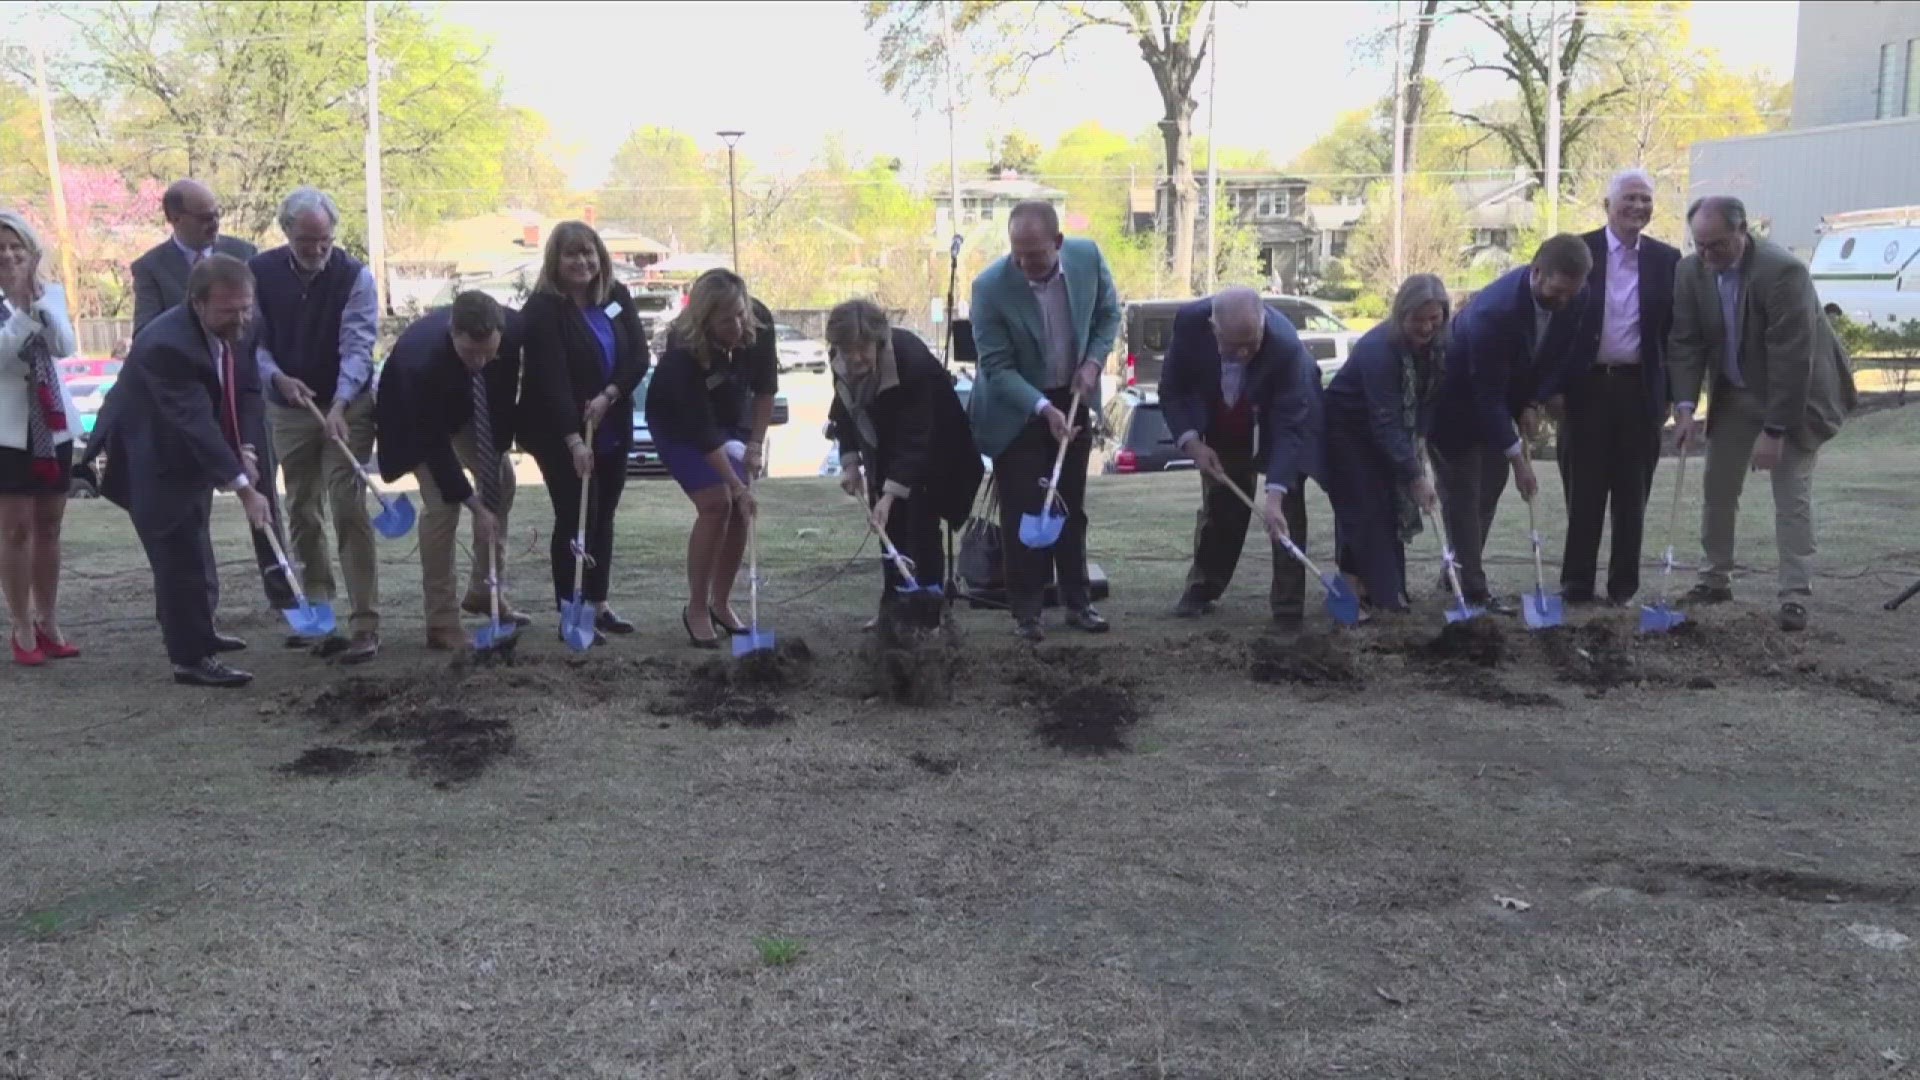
(1376, 475)
(905, 447)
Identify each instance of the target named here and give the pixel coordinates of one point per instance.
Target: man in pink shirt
(1616, 399)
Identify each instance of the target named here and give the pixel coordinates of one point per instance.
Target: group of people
(249, 365)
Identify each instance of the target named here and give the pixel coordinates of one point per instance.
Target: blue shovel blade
(1543, 609)
(1342, 605)
(1659, 618)
(576, 624)
(395, 519)
(753, 641)
(1041, 530)
(1463, 612)
(494, 635)
(309, 619)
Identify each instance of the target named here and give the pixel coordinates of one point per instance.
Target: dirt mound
(1305, 661)
(1475, 641)
(1476, 683)
(326, 761)
(1598, 655)
(720, 693)
(778, 668)
(911, 662)
(454, 747)
(1091, 718)
(353, 700)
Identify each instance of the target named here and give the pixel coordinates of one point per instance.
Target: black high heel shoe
(720, 624)
(686, 621)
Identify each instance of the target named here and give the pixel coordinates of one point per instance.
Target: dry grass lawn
(664, 876)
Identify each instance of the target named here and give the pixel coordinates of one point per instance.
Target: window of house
(1889, 103)
(1337, 247)
(1265, 207)
(1912, 103)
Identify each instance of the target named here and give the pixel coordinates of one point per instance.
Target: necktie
(229, 409)
(487, 468)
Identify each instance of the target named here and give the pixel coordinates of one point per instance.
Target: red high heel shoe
(51, 649)
(26, 657)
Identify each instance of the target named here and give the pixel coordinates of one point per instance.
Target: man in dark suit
(445, 407)
(1508, 355)
(160, 282)
(1615, 389)
(160, 276)
(189, 414)
(1242, 396)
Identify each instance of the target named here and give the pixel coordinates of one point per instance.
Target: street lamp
(733, 196)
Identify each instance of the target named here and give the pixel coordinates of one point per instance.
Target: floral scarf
(49, 420)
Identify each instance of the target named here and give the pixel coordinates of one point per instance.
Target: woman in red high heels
(37, 426)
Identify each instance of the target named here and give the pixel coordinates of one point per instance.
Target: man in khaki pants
(446, 404)
(318, 315)
(1745, 310)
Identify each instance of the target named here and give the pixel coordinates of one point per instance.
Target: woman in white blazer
(37, 426)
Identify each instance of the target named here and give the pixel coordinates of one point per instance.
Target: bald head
(1239, 322)
(193, 212)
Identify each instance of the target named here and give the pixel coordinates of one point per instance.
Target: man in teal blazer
(1044, 319)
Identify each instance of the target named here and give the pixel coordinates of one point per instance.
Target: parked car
(88, 395)
(1147, 329)
(88, 367)
(644, 458)
(798, 352)
(1139, 441)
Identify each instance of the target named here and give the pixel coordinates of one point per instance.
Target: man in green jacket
(1044, 319)
(1744, 310)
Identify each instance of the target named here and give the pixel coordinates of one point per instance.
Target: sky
(792, 74)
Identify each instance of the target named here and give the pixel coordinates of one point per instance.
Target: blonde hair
(713, 293)
(18, 226)
(565, 236)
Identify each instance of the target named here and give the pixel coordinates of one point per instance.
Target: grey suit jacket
(160, 276)
(1789, 357)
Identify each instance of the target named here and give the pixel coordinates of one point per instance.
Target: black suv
(1140, 441)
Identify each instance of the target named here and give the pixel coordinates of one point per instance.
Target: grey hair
(856, 323)
(1239, 300)
(305, 200)
(1415, 293)
(1731, 210)
(17, 224)
(1620, 179)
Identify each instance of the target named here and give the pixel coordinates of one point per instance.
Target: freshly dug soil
(1479, 684)
(1476, 641)
(325, 761)
(1305, 661)
(770, 669)
(455, 747)
(713, 695)
(1092, 718)
(912, 663)
(353, 700)
(1598, 655)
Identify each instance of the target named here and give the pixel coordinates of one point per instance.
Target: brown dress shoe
(364, 647)
(446, 640)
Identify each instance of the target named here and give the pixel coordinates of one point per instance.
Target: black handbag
(982, 552)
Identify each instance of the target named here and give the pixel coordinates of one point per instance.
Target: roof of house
(496, 241)
(1011, 187)
(1332, 216)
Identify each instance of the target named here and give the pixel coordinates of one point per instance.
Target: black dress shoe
(610, 623)
(721, 625)
(1029, 630)
(1493, 605)
(1089, 620)
(210, 672)
(1708, 594)
(686, 622)
(1191, 606)
(223, 643)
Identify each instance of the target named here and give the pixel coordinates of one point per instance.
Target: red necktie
(229, 411)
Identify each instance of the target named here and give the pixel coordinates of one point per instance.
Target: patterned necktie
(487, 468)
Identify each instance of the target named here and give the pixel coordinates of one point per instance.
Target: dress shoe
(1288, 622)
(53, 650)
(1708, 594)
(225, 643)
(735, 627)
(1029, 630)
(1089, 620)
(1793, 616)
(687, 622)
(609, 623)
(26, 657)
(364, 647)
(327, 647)
(1192, 606)
(210, 672)
(448, 640)
(482, 605)
(1493, 605)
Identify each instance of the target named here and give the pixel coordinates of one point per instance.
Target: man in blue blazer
(1044, 319)
(1616, 392)
(1507, 359)
(1242, 397)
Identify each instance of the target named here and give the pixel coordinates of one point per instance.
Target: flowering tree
(109, 223)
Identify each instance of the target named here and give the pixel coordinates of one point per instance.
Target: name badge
(717, 379)
(612, 309)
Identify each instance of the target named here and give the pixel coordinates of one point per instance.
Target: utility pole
(1399, 144)
(1553, 117)
(53, 170)
(953, 142)
(1213, 150)
(733, 196)
(376, 210)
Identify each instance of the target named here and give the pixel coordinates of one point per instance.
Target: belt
(1617, 369)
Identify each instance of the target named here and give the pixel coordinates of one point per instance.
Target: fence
(102, 337)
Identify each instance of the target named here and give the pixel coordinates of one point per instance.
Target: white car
(798, 352)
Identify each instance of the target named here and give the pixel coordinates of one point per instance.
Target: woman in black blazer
(584, 352)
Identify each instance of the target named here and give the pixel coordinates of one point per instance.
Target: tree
(109, 223)
(661, 184)
(529, 177)
(256, 99)
(1015, 150)
(1433, 226)
(1359, 150)
(1523, 33)
(1173, 36)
